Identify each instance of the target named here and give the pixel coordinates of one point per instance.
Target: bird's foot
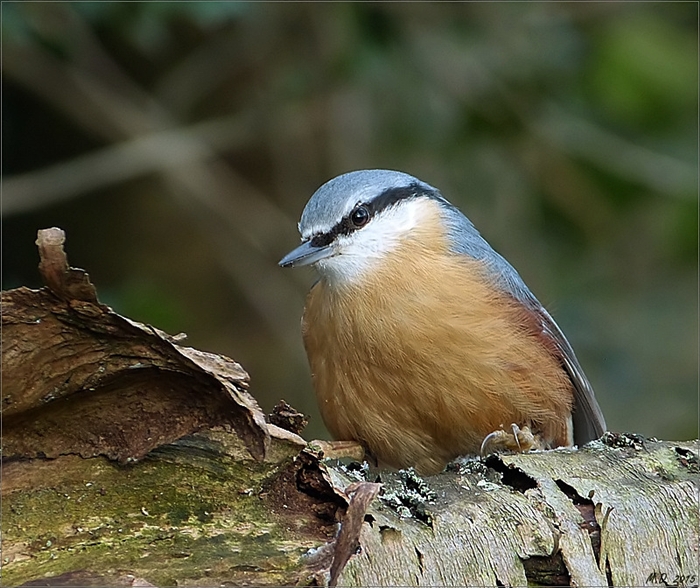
(516, 439)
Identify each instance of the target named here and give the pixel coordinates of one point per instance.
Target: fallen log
(130, 459)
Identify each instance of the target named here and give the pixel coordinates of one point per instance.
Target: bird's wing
(589, 422)
(588, 419)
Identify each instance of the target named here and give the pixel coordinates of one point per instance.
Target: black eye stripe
(385, 200)
(322, 240)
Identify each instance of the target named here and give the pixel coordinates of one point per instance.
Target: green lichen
(189, 523)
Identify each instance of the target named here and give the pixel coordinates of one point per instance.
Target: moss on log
(131, 460)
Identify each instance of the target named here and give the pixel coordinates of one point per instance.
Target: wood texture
(536, 523)
(130, 460)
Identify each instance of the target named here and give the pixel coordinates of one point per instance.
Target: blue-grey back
(465, 240)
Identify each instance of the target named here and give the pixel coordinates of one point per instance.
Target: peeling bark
(80, 378)
(131, 460)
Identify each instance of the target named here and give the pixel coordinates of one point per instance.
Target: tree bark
(132, 460)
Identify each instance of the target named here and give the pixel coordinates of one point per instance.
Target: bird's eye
(360, 216)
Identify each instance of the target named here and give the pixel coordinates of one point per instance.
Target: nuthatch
(423, 341)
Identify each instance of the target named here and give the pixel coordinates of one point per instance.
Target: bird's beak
(306, 254)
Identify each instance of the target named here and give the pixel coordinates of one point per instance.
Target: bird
(424, 343)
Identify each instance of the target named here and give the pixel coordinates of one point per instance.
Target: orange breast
(424, 358)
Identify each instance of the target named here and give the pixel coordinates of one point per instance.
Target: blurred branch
(484, 70)
(206, 182)
(198, 74)
(60, 24)
(582, 138)
(157, 152)
(65, 89)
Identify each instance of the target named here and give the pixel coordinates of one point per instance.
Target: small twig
(361, 495)
(64, 281)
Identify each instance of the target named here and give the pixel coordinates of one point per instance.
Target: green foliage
(146, 301)
(642, 73)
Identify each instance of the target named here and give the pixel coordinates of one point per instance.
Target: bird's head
(356, 219)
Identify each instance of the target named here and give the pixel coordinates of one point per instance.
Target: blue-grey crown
(336, 198)
(326, 214)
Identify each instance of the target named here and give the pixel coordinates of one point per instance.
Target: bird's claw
(516, 439)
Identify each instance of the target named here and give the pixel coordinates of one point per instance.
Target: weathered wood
(535, 523)
(80, 378)
(202, 511)
(197, 512)
(131, 460)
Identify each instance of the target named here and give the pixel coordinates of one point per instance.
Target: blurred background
(177, 144)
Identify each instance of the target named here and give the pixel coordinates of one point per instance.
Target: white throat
(360, 251)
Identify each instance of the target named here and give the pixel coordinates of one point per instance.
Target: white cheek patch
(359, 251)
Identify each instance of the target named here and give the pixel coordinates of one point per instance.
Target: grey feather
(588, 419)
